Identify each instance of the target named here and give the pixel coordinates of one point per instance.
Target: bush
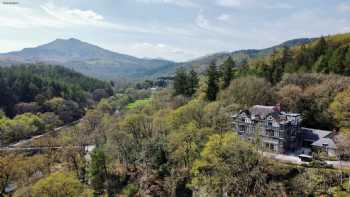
(130, 190)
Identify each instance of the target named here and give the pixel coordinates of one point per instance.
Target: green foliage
(212, 83)
(249, 91)
(185, 144)
(39, 83)
(58, 185)
(229, 166)
(139, 103)
(130, 190)
(98, 170)
(324, 55)
(20, 127)
(185, 83)
(226, 70)
(340, 108)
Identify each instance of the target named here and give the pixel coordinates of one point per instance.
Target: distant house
(279, 131)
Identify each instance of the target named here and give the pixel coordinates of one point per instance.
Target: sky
(178, 30)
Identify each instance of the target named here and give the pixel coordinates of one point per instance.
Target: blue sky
(173, 29)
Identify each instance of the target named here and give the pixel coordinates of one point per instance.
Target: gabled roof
(314, 134)
(325, 142)
(261, 110)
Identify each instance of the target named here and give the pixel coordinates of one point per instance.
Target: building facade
(277, 131)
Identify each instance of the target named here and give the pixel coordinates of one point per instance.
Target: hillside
(36, 84)
(328, 55)
(241, 56)
(86, 58)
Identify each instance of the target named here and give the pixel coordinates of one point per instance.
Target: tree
(185, 83)
(180, 81)
(99, 94)
(291, 97)
(226, 71)
(340, 108)
(185, 144)
(98, 171)
(212, 83)
(9, 171)
(249, 91)
(229, 166)
(59, 184)
(319, 48)
(192, 83)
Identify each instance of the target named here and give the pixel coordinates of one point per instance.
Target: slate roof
(325, 142)
(320, 138)
(314, 134)
(261, 110)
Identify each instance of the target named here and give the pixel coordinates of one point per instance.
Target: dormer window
(269, 123)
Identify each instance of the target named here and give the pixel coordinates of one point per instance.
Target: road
(296, 160)
(88, 148)
(28, 141)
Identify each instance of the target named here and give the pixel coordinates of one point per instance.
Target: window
(269, 123)
(270, 147)
(281, 134)
(242, 128)
(270, 132)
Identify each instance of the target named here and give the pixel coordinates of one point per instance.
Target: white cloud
(182, 3)
(224, 17)
(215, 30)
(50, 15)
(343, 7)
(70, 16)
(202, 22)
(22, 18)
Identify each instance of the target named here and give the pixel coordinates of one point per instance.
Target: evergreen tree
(98, 171)
(226, 71)
(192, 83)
(336, 61)
(180, 81)
(213, 78)
(301, 56)
(277, 69)
(319, 48)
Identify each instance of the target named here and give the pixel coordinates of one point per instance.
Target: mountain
(87, 59)
(97, 62)
(240, 57)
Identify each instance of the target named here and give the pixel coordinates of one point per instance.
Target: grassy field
(139, 103)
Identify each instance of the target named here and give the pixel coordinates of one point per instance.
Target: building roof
(325, 142)
(261, 110)
(314, 134)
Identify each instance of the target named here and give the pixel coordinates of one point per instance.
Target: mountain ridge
(95, 61)
(86, 58)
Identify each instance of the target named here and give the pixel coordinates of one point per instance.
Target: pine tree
(226, 71)
(319, 48)
(213, 78)
(180, 81)
(192, 83)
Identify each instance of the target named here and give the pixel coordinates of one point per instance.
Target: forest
(37, 98)
(178, 140)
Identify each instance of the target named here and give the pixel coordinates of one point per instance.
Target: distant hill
(97, 62)
(240, 56)
(87, 59)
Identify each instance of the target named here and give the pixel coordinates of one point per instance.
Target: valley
(172, 135)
